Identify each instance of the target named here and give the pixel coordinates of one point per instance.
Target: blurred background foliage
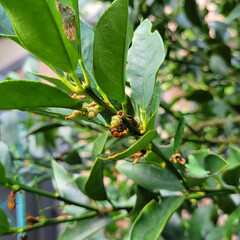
(199, 80)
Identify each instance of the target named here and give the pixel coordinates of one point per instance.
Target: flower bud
(92, 112)
(74, 115)
(116, 121)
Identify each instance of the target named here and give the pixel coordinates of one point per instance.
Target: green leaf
(2, 175)
(200, 96)
(99, 144)
(151, 122)
(150, 176)
(235, 13)
(153, 218)
(231, 176)
(214, 164)
(139, 145)
(215, 234)
(179, 134)
(218, 65)
(44, 31)
(156, 98)
(94, 186)
(144, 59)
(31, 94)
(7, 160)
(83, 229)
(192, 12)
(4, 225)
(201, 222)
(196, 170)
(233, 157)
(6, 27)
(65, 184)
(57, 82)
(72, 157)
(42, 127)
(113, 34)
(232, 224)
(225, 203)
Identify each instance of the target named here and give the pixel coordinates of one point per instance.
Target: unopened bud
(92, 112)
(74, 115)
(116, 121)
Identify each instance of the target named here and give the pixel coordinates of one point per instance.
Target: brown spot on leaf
(68, 20)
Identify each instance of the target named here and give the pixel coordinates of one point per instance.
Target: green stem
(124, 108)
(144, 120)
(50, 222)
(78, 83)
(84, 70)
(19, 186)
(105, 98)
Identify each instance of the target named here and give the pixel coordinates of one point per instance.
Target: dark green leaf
(214, 163)
(215, 234)
(57, 82)
(113, 34)
(94, 186)
(225, 203)
(4, 225)
(6, 160)
(200, 96)
(42, 127)
(139, 145)
(143, 227)
(179, 134)
(83, 229)
(232, 176)
(144, 59)
(2, 175)
(151, 177)
(99, 144)
(31, 94)
(44, 31)
(65, 184)
(192, 12)
(72, 157)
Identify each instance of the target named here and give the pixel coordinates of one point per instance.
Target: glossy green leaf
(45, 32)
(83, 229)
(65, 184)
(57, 82)
(144, 59)
(151, 122)
(179, 134)
(192, 12)
(42, 127)
(2, 175)
(4, 225)
(196, 170)
(99, 144)
(94, 186)
(31, 94)
(139, 145)
(214, 163)
(7, 160)
(218, 65)
(113, 34)
(144, 229)
(150, 176)
(233, 158)
(232, 176)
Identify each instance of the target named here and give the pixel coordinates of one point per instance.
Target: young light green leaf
(139, 145)
(4, 225)
(113, 34)
(2, 175)
(57, 82)
(94, 186)
(47, 29)
(179, 134)
(144, 59)
(83, 229)
(65, 184)
(31, 94)
(143, 227)
(150, 176)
